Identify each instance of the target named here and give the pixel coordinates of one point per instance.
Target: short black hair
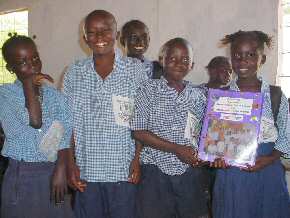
(126, 27)
(169, 44)
(259, 36)
(13, 42)
(102, 13)
(217, 61)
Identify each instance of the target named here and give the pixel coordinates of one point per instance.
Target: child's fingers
(49, 78)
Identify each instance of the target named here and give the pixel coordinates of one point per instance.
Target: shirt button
(39, 130)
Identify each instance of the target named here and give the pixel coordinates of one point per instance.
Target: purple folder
(231, 127)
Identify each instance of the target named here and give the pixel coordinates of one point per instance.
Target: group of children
(118, 131)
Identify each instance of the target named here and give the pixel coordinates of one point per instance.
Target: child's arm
(58, 181)
(32, 103)
(73, 171)
(185, 153)
(135, 168)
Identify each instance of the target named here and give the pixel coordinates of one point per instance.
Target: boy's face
(100, 34)
(25, 61)
(221, 74)
(246, 57)
(136, 41)
(177, 61)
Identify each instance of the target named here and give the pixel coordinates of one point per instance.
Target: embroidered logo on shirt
(192, 128)
(51, 140)
(123, 108)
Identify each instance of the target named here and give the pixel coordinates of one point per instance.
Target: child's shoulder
(9, 90)
(53, 92)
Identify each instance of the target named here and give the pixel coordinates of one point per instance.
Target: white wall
(203, 22)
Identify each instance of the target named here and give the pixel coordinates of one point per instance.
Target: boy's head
(21, 56)
(177, 59)
(135, 38)
(219, 71)
(100, 32)
(247, 51)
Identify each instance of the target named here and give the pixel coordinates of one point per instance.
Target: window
(11, 22)
(284, 76)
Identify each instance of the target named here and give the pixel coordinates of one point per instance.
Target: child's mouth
(101, 44)
(139, 47)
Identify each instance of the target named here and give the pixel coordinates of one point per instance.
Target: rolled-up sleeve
(282, 143)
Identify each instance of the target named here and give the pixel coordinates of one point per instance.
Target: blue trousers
(106, 200)
(164, 196)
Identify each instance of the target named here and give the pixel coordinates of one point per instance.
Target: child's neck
(177, 85)
(104, 64)
(213, 85)
(252, 84)
(140, 57)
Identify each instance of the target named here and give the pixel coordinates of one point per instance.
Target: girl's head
(247, 51)
(219, 70)
(21, 56)
(135, 38)
(177, 59)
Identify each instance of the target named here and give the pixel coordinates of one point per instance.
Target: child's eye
(251, 55)
(185, 60)
(172, 59)
(21, 64)
(237, 55)
(35, 59)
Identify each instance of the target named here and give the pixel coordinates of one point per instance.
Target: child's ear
(9, 68)
(85, 38)
(264, 58)
(192, 65)
(122, 40)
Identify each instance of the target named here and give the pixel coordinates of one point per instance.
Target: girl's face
(25, 61)
(177, 62)
(246, 57)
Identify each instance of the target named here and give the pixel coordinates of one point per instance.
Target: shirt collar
(264, 86)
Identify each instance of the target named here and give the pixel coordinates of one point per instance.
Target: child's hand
(73, 176)
(187, 155)
(219, 163)
(58, 183)
(135, 171)
(261, 162)
(37, 79)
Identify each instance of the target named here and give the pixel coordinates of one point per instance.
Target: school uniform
(169, 187)
(104, 147)
(26, 185)
(261, 194)
(153, 68)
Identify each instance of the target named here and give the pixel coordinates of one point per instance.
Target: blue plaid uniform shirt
(282, 142)
(162, 111)
(103, 148)
(21, 140)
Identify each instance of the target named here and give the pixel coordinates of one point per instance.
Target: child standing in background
(135, 39)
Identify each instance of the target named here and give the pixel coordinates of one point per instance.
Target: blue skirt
(262, 194)
(26, 192)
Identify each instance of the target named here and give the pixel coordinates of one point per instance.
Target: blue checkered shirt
(162, 111)
(21, 140)
(282, 142)
(103, 149)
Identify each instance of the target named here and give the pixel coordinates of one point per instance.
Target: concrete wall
(203, 22)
